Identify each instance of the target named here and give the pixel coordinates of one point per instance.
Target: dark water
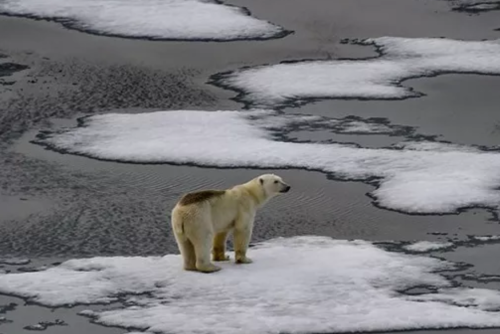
(114, 208)
(55, 206)
(24, 315)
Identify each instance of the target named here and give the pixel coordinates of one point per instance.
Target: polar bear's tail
(178, 225)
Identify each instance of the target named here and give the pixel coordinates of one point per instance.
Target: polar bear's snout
(273, 185)
(284, 188)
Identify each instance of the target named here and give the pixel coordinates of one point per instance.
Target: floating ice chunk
(434, 180)
(477, 6)
(154, 19)
(487, 238)
(43, 325)
(295, 285)
(14, 261)
(4, 320)
(484, 6)
(364, 127)
(426, 246)
(377, 78)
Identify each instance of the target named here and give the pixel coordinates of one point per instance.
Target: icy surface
(378, 78)
(426, 246)
(156, 19)
(430, 179)
(436, 147)
(295, 285)
(483, 299)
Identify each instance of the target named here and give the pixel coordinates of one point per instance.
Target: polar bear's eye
(275, 181)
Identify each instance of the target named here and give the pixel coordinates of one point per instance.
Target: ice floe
(375, 78)
(428, 178)
(295, 285)
(153, 19)
(426, 246)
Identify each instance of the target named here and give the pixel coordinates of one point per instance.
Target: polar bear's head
(273, 184)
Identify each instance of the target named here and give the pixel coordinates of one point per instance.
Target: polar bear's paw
(190, 268)
(243, 260)
(221, 257)
(208, 268)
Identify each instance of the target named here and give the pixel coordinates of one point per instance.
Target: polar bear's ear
(261, 181)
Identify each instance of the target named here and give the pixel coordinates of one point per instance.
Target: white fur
(202, 227)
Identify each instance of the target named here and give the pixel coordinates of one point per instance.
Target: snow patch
(434, 180)
(154, 19)
(296, 285)
(426, 246)
(377, 78)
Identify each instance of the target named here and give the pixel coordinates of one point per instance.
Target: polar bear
(202, 220)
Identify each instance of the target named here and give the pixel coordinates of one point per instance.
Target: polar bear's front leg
(241, 241)
(242, 235)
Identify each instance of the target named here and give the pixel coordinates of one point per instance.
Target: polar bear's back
(200, 196)
(217, 208)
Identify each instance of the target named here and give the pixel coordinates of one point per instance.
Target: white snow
(378, 78)
(295, 285)
(429, 180)
(426, 246)
(157, 19)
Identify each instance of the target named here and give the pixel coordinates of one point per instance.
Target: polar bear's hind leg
(202, 241)
(219, 247)
(188, 254)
